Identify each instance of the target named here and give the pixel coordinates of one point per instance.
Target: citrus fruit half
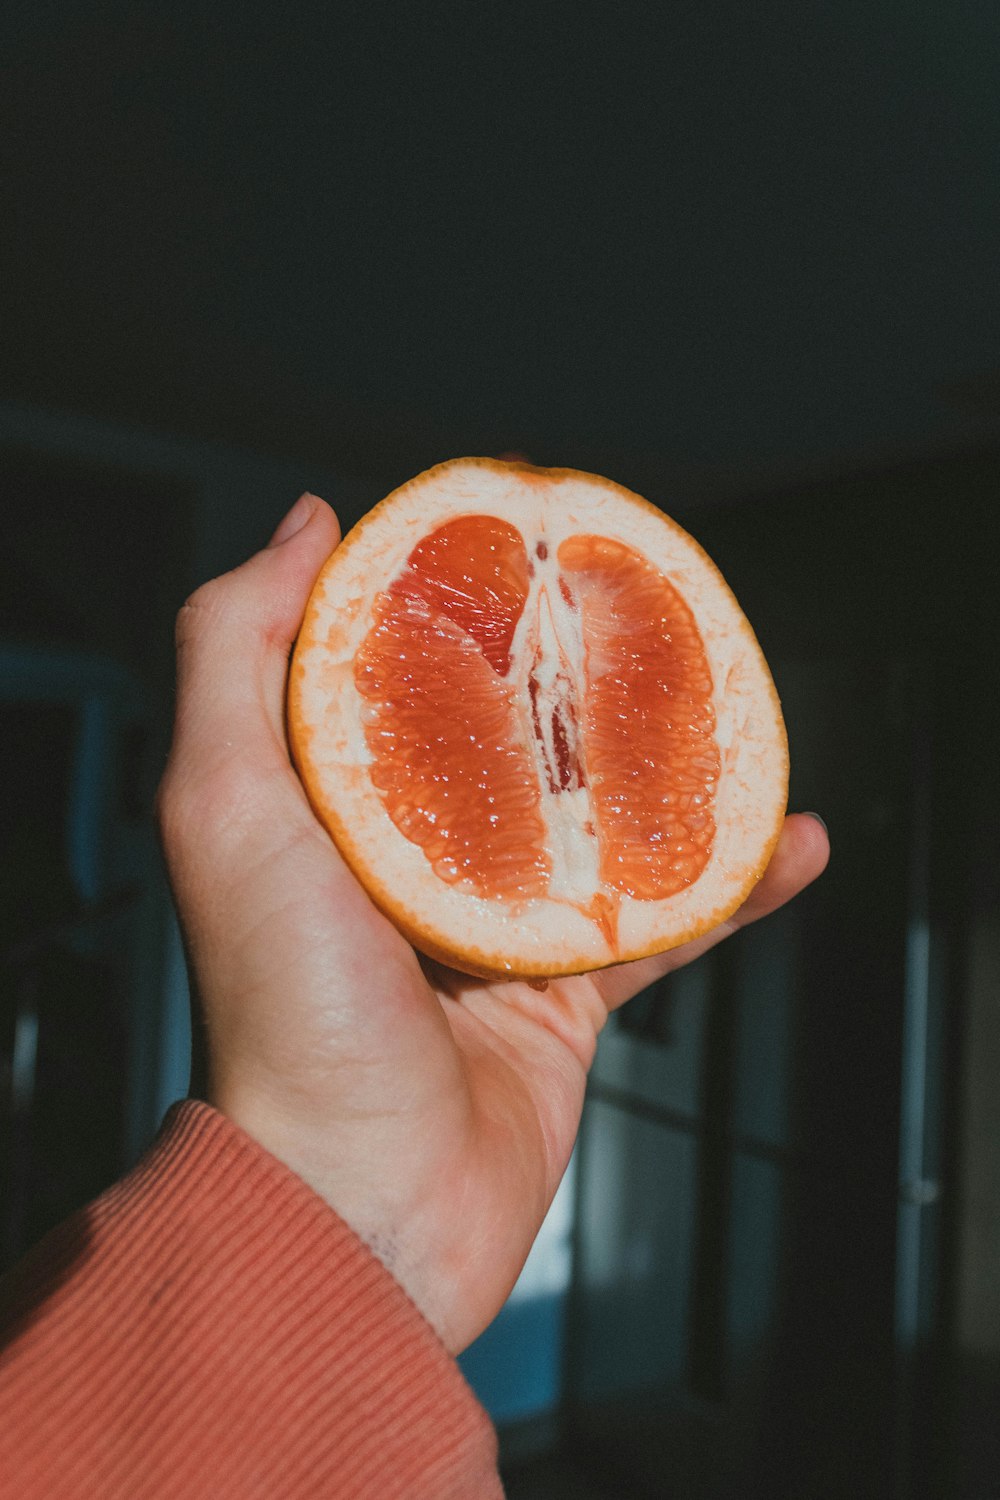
(535, 721)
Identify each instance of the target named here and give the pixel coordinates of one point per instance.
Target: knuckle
(199, 611)
(202, 806)
(171, 811)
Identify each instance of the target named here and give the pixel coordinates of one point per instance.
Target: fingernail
(819, 820)
(295, 519)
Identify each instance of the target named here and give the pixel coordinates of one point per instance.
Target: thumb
(233, 640)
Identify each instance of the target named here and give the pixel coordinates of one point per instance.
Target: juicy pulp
(540, 720)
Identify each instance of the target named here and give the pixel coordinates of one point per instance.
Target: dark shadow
(50, 1265)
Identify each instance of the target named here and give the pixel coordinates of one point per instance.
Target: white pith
(550, 934)
(548, 642)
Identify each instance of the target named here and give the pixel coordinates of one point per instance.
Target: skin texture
(436, 1113)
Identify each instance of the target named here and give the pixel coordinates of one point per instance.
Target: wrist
(355, 1189)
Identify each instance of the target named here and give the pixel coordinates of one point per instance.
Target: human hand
(434, 1112)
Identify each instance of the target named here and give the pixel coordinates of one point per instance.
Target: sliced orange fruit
(535, 721)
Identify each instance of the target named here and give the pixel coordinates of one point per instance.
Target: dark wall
(693, 247)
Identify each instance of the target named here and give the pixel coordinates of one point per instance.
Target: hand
(436, 1113)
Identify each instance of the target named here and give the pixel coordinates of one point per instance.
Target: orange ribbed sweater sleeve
(210, 1328)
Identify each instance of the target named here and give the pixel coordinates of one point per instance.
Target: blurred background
(741, 258)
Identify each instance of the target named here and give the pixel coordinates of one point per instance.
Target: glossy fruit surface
(536, 723)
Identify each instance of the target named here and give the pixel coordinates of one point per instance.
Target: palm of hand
(436, 1113)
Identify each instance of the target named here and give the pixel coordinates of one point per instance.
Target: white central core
(548, 646)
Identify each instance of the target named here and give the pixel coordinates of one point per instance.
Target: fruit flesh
(649, 726)
(541, 723)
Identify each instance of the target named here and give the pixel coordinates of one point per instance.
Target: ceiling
(704, 247)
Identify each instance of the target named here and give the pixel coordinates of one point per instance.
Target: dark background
(704, 246)
(739, 257)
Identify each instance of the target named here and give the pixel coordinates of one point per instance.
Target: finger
(229, 796)
(233, 639)
(800, 856)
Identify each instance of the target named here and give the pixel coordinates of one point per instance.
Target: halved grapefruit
(535, 721)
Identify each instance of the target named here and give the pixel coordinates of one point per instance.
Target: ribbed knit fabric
(210, 1328)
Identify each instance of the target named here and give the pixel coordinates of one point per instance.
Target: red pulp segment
(449, 757)
(648, 721)
(474, 572)
(452, 757)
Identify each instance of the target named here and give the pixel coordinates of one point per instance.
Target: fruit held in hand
(535, 722)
